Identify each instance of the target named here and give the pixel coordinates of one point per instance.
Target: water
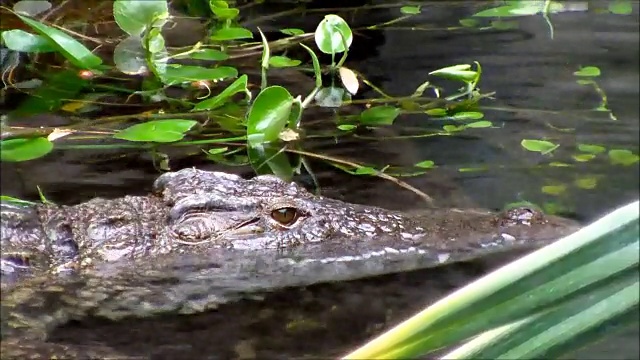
(537, 97)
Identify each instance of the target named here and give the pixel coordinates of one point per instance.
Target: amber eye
(285, 216)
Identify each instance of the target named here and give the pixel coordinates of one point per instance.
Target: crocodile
(202, 238)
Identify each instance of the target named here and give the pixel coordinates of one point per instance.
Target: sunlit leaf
(622, 157)
(620, 7)
(410, 10)
(349, 80)
(330, 32)
(15, 150)
(72, 50)
(467, 115)
(479, 124)
(379, 115)
(283, 61)
(269, 114)
(426, 164)
(541, 146)
(588, 71)
(346, 127)
(20, 40)
(162, 131)
(11, 199)
(231, 33)
(134, 16)
(240, 85)
(583, 157)
(457, 72)
(593, 149)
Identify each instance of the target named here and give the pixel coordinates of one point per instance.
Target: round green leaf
(72, 50)
(330, 33)
(209, 54)
(269, 114)
(232, 33)
(162, 131)
(16, 150)
(134, 16)
(19, 40)
(379, 115)
(410, 10)
(427, 164)
(592, 149)
(588, 71)
(621, 7)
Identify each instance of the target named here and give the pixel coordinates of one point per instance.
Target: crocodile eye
(285, 216)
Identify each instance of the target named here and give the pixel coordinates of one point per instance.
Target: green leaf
(622, 157)
(209, 54)
(592, 149)
(231, 33)
(330, 33)
(20, 40)
(410, 10)
(11, 199)
(467, 115)
(16, 150)
(540, 146)
(379, 115)
(479, 124)
(240, 85)
(457, 72)
(57, 87)
(269, 159)
(317, 70)
(161, 131)
(283, 61)
(365, 170)
(268, 115)
(346, 127)
(588, 71)
(621, 7)
(72, 50)
(188, 73)
(453, 128)
(222, 10)
(554, 189)
(426, 164)
(586, 183)
(134, 16)
(583, 157)
(217, 151)
(439, 112)
(292, 31)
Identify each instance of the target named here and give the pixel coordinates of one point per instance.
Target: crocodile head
(264, 212)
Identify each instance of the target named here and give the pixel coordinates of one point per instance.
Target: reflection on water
(537, 97)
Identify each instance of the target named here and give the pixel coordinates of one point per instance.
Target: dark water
(536, 97)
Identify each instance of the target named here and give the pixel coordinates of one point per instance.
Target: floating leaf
(622, 157)
(620, 7)
(410, 10)
(346, 127)
(162, 131)
(586, 183)
(20, 40)
(330, 33)
(426, 164)
(240, 85)
(72, 50)
(134, 16)
(559, 164)
(583, 157)
(15, 150)
(188, 73)
(540, 146)
(479, 124)
(453, 128)
(592, 149)
(554, 189)
(379, 115)
(437, 112)
(269, 114)
(283, 61)
(231, 33)
(588, 71)
(467, 115)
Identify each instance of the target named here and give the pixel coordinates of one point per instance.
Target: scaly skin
(206, 238)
